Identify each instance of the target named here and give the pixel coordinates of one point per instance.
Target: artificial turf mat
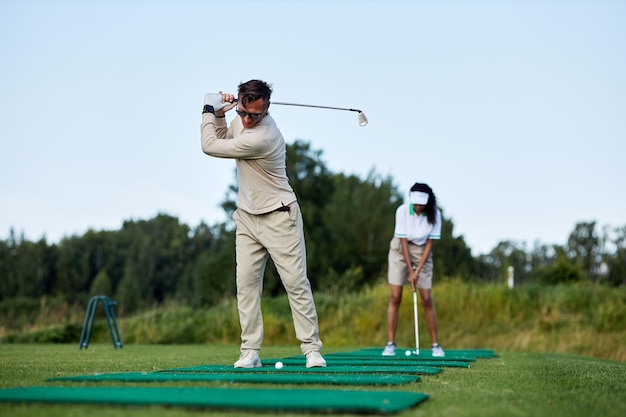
(276, 377)
(426, 353)
(342, 369)
(400, 355)
(424, 356)
(328, 401)
(347, 360)
(361, 367)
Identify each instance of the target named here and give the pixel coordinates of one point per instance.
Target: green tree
(541, 255)
(357, 225)
(156, 254)
(81, 258)
(583, 248)
(506, 253)
(616, 262)
(73, 269)
(9, 280)
(101, 285)
(127, 295)
(563, 271)
(27, 269)
(451, 255)
(211, 277)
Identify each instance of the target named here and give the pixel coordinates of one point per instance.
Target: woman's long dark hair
(431, 205)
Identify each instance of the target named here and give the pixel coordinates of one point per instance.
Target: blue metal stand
(111, 321)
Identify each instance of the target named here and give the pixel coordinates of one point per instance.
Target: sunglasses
(253, 116)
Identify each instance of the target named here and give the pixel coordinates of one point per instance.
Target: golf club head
(362, 119)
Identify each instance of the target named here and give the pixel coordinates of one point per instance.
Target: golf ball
(278, 365)
(408, 353)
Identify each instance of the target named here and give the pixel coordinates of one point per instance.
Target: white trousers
(280, 235)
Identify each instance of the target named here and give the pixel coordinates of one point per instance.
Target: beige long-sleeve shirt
(260, 157)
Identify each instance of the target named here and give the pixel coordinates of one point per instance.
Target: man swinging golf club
(268, 218)
(418, 223)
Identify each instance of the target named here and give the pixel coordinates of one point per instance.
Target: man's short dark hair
(253, 90)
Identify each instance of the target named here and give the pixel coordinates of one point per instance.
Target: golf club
(417, 336)
(361, 115)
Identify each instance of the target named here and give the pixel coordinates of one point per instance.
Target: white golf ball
(278, 365)
(408, 353)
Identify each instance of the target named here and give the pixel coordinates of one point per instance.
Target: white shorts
(398, 273)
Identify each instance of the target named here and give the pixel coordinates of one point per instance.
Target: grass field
(583, 319)
(514, 384)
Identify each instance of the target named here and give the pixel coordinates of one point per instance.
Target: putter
(362, 118)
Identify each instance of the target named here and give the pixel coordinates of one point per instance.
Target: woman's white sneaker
(390, 349)
(438, 351)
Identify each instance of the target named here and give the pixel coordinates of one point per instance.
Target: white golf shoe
(315, 360)
(390, 349)
(249, 359)
(438, 351)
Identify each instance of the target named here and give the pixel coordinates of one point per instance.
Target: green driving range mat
(356, 369)
(426, 353)
(276, 377)
(346, 360)
(327, 401)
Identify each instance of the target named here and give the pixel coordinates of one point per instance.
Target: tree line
(348, 224)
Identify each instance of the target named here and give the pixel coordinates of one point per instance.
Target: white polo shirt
(414, 228)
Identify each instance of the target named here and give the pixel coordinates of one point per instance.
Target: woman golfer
(418, 223)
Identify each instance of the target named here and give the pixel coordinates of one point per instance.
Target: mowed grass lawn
(513, 384)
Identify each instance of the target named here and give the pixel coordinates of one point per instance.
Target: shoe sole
(316, 366)
(254, 365)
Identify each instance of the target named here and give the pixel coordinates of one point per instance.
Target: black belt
(281, 208)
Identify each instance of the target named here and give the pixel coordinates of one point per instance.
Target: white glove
(214, 100)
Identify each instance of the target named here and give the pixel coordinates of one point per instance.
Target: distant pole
(510, 277)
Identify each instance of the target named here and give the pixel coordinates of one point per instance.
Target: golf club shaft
(314, 106)
(281, 103)
(362, 117)
(417, 335)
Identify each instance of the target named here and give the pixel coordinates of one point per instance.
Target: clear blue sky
(513, 111)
